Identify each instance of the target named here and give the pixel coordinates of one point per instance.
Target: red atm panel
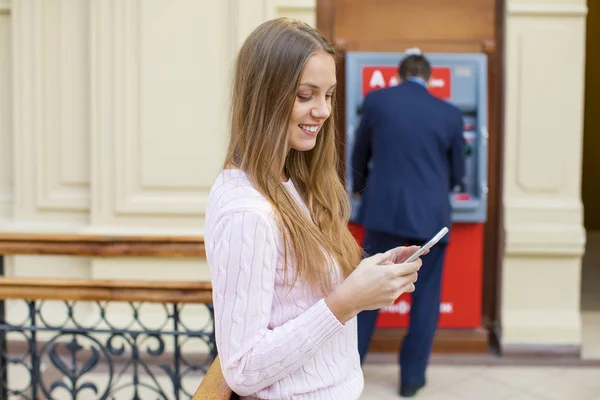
(461, 282)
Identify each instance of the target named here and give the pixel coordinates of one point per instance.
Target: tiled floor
(452, 382)
(445, 382)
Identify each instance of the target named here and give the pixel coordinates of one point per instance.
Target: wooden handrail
(105, 290)
(101, 245)
(62, 237)
(214, 386)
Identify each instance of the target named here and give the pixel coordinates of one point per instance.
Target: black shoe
(410, 391)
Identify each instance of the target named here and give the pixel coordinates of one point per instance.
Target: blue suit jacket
(416, 145)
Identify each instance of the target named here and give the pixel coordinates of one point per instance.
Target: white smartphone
(428, 245)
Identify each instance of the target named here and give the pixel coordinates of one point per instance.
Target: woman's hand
(377, 282)
(399, 254)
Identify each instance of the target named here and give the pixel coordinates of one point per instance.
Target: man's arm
(457, 152)
(362, 151)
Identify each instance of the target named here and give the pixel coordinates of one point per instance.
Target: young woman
(288, 280)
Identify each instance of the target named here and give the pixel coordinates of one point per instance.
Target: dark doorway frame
(494, 234)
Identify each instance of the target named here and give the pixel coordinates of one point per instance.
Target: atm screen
(460, 79)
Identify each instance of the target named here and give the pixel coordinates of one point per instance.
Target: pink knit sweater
(273, 343)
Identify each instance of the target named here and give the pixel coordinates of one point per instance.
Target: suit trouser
(424, 313)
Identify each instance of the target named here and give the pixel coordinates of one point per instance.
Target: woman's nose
(322, 110)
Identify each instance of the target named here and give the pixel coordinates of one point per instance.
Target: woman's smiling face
(313, 101)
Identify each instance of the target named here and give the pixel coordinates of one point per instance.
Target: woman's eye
(304, 97)
(329, 95)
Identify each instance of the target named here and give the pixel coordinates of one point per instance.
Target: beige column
(51, 115)
(47, 121)
(304, 10)
(6, 159)
(159, 78)
(545, 51)
(255, 12)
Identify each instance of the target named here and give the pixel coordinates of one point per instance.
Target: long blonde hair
(267, 74)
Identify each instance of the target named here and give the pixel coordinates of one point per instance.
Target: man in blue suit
(415, 144)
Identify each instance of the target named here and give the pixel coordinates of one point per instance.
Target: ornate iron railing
(133, 356)
(93, 339)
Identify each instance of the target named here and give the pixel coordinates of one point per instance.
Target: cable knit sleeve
(242, 254)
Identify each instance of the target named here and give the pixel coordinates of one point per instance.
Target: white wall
(113, 120)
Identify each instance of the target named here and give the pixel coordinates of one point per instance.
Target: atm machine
(460, 79)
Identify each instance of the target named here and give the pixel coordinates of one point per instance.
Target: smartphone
(428, 245)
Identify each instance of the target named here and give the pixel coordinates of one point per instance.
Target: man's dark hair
(415, 65)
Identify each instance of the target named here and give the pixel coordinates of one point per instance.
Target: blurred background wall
(113, 120)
